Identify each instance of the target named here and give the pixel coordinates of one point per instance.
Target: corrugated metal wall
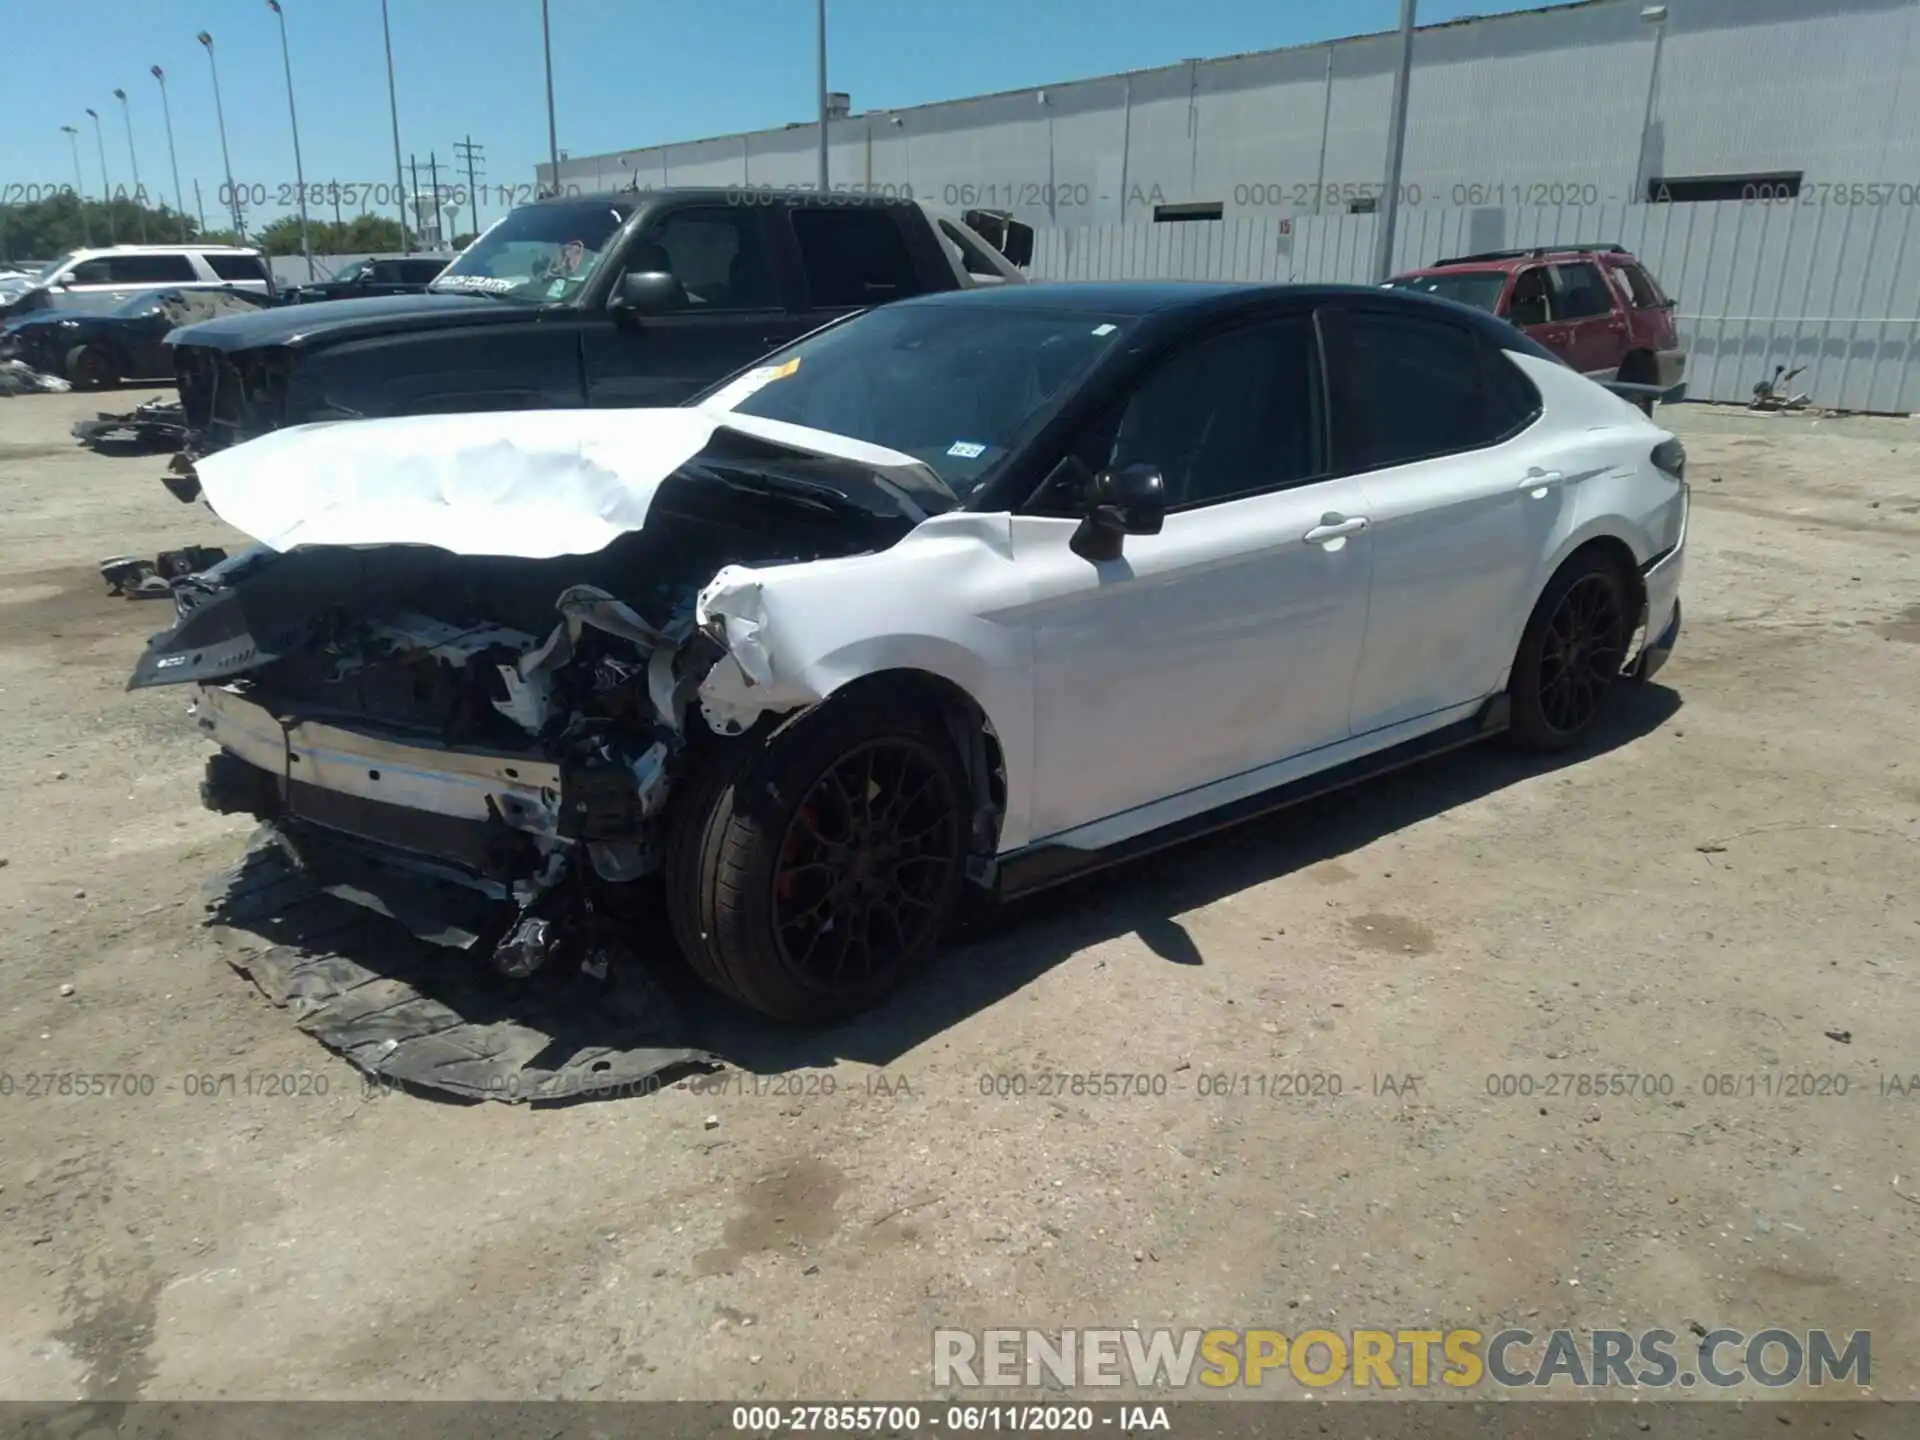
(1586, 98)
(1833, 287)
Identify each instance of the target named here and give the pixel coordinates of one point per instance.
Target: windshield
(351, 271)
(954, 386)
(46, 271)
(539, 254)
(1478, 288)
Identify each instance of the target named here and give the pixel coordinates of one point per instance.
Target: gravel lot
(1723, 881)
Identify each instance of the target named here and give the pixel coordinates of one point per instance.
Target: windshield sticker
(1105, 329)
(492, 284)
(966, 450)
(750, 383)
(557, 289)
(781, 372)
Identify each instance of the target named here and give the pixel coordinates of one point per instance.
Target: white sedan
(977, 590)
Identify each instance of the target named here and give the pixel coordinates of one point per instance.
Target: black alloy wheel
(862, 876)
(1572, 654)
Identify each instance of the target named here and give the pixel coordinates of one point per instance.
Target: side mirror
(648, 292)
(1129, 501)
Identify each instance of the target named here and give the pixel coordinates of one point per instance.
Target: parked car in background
(406, 275)
(614, 300)
(980, 589)
(100, 278)
(96, 349)
(1595, 306)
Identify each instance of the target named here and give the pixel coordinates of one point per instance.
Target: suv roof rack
(1534, 253)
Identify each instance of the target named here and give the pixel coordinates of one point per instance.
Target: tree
(362, 235)
(61, 222)
(461, 242)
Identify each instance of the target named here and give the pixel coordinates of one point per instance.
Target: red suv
(1594, 306)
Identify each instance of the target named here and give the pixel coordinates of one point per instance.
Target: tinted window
(957, 387)
(1234, 414)
(853, 257)
(1646, 294)
(238, 267)
(151, 270)
(1415, 388)
(1478, 288)
(1579, 292)
(1529, 303)
(419, 272)
(89, 272)
(715, 254)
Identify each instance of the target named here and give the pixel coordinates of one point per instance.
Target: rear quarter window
(1411, 388)
(238, 267)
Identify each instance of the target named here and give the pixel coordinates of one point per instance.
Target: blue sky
(626, 72)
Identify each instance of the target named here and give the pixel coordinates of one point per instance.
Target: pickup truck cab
(622, 299)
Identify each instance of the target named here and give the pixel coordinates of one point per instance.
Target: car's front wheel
(1571, 654)
(91, 367)
(810, 877)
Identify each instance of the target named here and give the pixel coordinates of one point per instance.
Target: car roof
(1506, 261)
(726, 195)
(88, 252)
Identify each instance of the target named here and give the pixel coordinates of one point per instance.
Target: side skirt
(1038, 867)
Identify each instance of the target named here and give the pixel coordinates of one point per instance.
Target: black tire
(92, 367)
(1570, 657)
(1638, 369)
(781, 896)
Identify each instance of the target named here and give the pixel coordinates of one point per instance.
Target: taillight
(1670, 458)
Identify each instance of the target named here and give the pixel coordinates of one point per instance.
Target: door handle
(1335, 527)
(1539, 481)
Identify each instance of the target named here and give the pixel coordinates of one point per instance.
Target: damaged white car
(971, 591)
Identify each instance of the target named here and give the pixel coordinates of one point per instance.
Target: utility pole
(199, 207)
(173, 158)
(133, 158)
(106, 185)
(553, 132)
(299, 174)
(393, 109)
(821, 45)
(433, 185)
(1396, 148)
(220, 114)
(413, 167)
(79, 185)
(470, 152)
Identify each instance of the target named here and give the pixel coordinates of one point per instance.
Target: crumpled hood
(533, 484)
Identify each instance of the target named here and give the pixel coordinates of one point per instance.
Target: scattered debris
(155, 426)
(1711, 848)
(712, 1122)
(19, 378)
(66, 989)
(138, 579)
(1844, 1037)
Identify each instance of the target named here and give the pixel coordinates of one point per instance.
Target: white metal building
(1575, 104)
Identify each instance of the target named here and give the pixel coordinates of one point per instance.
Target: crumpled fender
(793, 635)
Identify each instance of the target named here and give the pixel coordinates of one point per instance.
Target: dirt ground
(1725, 879)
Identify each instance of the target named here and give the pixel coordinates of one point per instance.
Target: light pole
(299, 176)
(1396, 147)
(553, 133)
(220, 114)
(79, 185)
(1656, 16)
(393, 110)
(106, 185)
(820, 44)
(133, 158)
(179, 200)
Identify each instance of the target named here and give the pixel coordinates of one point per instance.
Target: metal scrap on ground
(155, 426)
(18, 378)
(409, 1012)
(139, 579)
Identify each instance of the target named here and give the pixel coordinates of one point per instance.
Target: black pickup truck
(623, 299)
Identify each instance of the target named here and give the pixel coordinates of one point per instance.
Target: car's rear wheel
(1638, 369)
(809, 878)
(1571, 654)
(91, 367)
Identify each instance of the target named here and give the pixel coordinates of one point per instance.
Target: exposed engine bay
(479, 745)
